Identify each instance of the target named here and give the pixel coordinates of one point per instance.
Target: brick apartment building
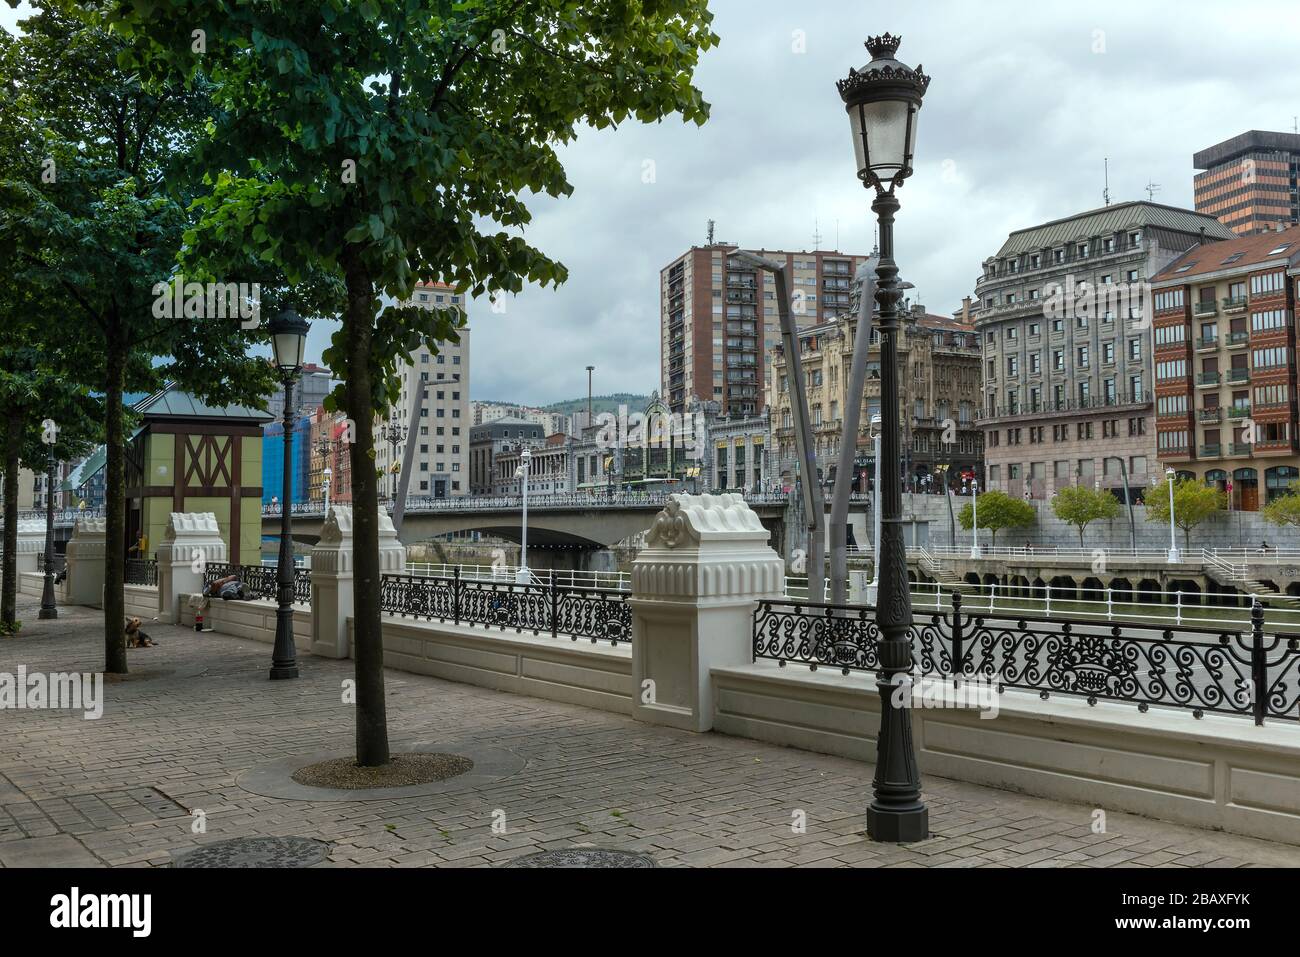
(718, 320)
(1225, 325)
(1249, 181)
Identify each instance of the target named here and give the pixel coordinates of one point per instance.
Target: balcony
(1210, 415)
(1202, 309)
(1207, 343)
(1238, 375)
(1235, 339)
(1211, 451)
(1207, 378)
(1239, 411)
(1234, 304)
(1241, 448)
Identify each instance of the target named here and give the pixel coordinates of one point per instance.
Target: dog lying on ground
(135, 638)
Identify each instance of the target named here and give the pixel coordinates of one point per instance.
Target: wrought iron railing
(261, 580)
(595, 613)
(1239, 672)
(141, 571)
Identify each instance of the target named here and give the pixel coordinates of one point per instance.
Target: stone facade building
(939, 394)
(1067, 346)
(491, 439)
(1226, 316)
(440, 467)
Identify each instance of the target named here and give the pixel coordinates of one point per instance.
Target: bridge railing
(595, 613)
(1229, 670)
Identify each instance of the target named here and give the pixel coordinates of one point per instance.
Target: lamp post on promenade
(289, 339)
(882, 101)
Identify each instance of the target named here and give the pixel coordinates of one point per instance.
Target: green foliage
(1285, 509)
(390, 140)
(1080, 506)
(1194, 503)
(387, 142)
(998, 510)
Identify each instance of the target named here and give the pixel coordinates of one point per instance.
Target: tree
(1080, 506)
(1285, 509)
(31, 395)
(94, 213)
(998, 510)
(1194, 503)
(389, 141)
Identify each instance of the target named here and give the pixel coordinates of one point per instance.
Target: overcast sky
(1025, 102)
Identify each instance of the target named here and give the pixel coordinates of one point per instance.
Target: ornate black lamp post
(394, 435)
(288, 340)
(882, 100)
(48, 608)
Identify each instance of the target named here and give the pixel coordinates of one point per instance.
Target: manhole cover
(583, 857)
(256, 852)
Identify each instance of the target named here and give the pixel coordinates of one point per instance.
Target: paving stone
(119, 791)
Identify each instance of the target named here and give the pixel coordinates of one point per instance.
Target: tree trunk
(9, 590)
(358, 320)
(115, 507)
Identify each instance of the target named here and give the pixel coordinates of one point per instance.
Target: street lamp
(975, 519)
(289, 340)
(48, 607)
(1173, 541)
(325, 485)
(394, 434)
(882, 100)
(524, 576)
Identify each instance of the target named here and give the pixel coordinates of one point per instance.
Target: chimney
(965, 311)
(1279, 226)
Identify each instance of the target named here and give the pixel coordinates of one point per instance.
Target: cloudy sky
(1025, 102)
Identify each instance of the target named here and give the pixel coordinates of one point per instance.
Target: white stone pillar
(31, 542)
(191, 541)
(695, 587)
(332, 567)
(86, 550)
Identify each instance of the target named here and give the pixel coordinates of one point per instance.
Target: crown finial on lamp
(883, 46)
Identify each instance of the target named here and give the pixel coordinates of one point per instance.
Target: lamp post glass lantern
(883, 100)
(288, 340)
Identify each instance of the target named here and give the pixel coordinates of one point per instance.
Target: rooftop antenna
(1105, 193)
(710, 232)
(837, 234)
(1152, 189)
(817, 234)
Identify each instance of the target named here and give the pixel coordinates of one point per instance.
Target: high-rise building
(718, 320)
(1249, 181)
(433, 410)
(1225, 321)
(1067, 347)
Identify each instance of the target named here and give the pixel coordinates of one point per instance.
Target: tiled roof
(1254, 252)
(1108, 220)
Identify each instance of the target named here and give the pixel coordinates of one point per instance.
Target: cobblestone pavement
(125, 790)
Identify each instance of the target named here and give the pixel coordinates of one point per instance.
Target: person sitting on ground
(229, 589)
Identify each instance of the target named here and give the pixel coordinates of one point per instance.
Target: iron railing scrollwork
(595, 613)
(1199, 670)
(261, 580)
(141, 571)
